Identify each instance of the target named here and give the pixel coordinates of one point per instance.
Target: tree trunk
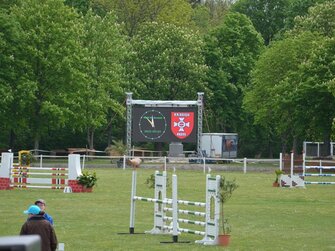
(12, 138)
(90, 138)
(284, 144)
(36, 144)
(294, 144)
(109, 136)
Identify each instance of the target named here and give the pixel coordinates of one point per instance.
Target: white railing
(163, 163)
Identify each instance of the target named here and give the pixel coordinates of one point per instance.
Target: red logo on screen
(182, 124)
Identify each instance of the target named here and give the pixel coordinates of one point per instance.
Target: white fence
(163, 163)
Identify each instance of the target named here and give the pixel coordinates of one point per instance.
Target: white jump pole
(132, 203)
(174, 208)
(281, 161)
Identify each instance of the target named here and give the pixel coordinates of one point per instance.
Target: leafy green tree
(82, 6)
(268, 16)
(166, 63)
(270, 98)
(9, 37)
(209, 14)
(50, 51)
(291, 81)
(231, 51)
(102, 92)
(320, 19)
(133, 13)
(298, 8)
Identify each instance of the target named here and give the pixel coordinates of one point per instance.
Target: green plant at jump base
(278, 174)
(87, 179)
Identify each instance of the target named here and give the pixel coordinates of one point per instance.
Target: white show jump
(38, 177)
(299, 180)
(160, 200)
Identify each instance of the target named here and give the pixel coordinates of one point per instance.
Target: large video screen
(164, 124)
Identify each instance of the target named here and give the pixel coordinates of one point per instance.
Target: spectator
(37, 224)
(41, 204)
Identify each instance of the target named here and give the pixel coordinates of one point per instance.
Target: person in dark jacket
(37, 224)
(41, 204)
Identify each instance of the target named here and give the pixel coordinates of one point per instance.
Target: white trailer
(219, 145)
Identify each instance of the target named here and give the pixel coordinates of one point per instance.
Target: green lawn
(262, 217)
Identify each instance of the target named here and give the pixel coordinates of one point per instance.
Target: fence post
(245, 165)
(204, 165)
(84, 158)
(292, 165)
(164, 163)
(124, 162)
(41, 160)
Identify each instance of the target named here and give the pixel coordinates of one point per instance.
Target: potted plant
(87, 180)
(278, 174)
(227, 187)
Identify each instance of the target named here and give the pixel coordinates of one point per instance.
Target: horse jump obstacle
(211, 222)
(16, 176)
(320, 174)
(299, 180)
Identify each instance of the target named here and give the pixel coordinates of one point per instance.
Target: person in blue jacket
(41, 204)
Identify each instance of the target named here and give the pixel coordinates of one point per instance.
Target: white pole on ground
(245, 165)
(132, 203)
(292, 164)
(281, 161)
(41, 157)
(174, 208)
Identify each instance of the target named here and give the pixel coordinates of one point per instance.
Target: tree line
(266, 68)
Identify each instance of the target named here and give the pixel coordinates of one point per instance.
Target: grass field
(262, 217)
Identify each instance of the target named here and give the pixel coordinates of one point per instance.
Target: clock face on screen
(152, 124)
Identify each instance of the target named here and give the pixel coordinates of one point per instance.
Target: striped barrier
(37, 177)
(320, 168)
(14, 176)
(299, 180)
(211, 216)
